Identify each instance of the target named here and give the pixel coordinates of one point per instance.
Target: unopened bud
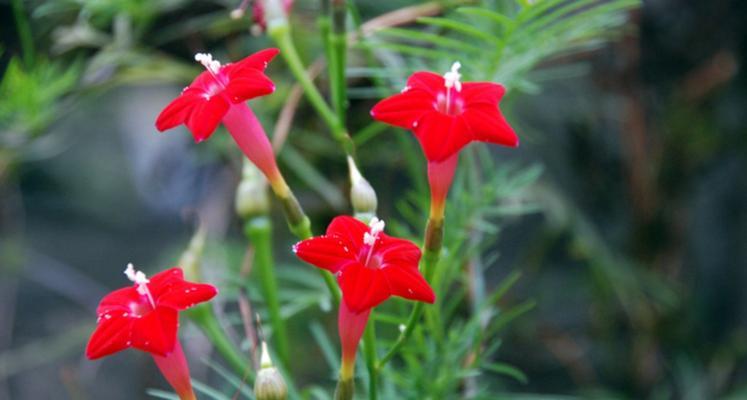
(362, 194)
(269, 384)
(237, 13)
(191, 258)
(251, 195)
(271, 13)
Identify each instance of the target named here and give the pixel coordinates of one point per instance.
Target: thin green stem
(282, 37)
(204, 317)
(259, 233)
(338, 44)
(345, 389)
(369, 347)
(24, 32)
(324, 23)
(430, 259)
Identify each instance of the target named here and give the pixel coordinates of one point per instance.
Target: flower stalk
(281, 34)
(259, 232)
(203, 315)
(369, 348)
(338, 43)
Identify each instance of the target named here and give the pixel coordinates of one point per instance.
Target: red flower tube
(146, 316)
(219, 95)
(445, 115)
(370, 267)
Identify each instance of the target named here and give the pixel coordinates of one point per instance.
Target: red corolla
(146, 316)
(445, 115)
(370, 266)
(219, 95)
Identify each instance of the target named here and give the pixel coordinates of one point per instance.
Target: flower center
(449, 101)
(140, 309)
(450, 104)
(139, 278)
(213, 67)
(369, 239)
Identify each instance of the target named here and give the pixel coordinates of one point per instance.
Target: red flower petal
(406, 281)
(257, 61)
(362, 288)
(169, 289)
(482, 92)
(428, 81)
(155, 332)
(206, 116)
(120, 300)
(441, 135)
(350, 230)
(487, 124)
(397, 251)
(250, 84)
(112, 334)
(405, 109)
(326, 252)
(177, 112)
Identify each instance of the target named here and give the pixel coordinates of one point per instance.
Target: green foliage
(31, 97)
(503, 43)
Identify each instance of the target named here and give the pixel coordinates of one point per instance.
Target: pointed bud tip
(269, 384)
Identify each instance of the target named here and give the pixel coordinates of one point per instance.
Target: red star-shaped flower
(146, 315)
(203, 104)
(370, 265)
(219, 95)
(446, 114)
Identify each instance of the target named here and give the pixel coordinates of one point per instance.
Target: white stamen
(451, 78)
(139, 278)
(369, 239)
(377, 226)
(206, 59)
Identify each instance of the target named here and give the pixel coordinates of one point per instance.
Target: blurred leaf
(508, 370)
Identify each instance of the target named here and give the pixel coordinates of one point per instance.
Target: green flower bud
(362, 195)
(191, 258)
(269, 384)
(251, 195)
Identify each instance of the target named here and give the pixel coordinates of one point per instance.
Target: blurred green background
(633, 253)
